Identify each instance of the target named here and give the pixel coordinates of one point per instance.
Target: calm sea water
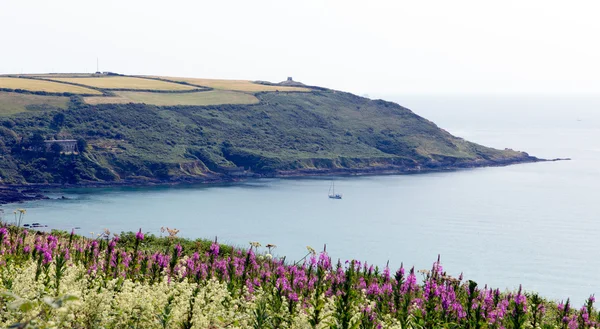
(531, 224)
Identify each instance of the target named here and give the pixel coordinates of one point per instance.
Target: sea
(535, 225)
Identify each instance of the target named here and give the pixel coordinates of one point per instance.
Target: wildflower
(254, 244)
(373, 289)
(410, 284)
(311, 250)
(214, 249)
(139, 235)
(400, 273)
(47, 257)
(521, 300)
(293, 297)
(269, 256)
(172, 232)
(324, 260)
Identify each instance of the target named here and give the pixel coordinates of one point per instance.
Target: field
(122, 82)
(47, 86)
(11, 103)
(237, 85)
(213, 97)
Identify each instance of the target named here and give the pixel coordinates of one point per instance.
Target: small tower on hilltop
(98, 66)
(290, 82)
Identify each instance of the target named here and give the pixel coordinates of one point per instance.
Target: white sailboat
(332, 194)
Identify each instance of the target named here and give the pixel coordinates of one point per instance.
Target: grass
(11, 103)
(236, 85)
(40, 85)
(121, 82)
(213, 97)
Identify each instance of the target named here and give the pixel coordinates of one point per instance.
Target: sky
(364, 47)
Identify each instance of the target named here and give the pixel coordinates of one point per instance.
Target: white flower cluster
(122, 303)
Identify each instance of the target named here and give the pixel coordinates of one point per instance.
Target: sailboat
(332, 194)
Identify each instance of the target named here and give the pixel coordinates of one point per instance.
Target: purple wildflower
(214, 249)
(139, 235)
(47, 256)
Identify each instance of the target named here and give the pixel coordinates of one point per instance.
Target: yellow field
(47, 86)
(119, 82)
(213, 97)
(237, 85)
(11, 103)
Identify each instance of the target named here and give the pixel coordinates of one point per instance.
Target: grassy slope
(213, 97)
(12, 103)
(284, 132)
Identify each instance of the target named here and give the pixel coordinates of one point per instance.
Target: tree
(81, 145)
(55, 148)
(58, 121)
(37, 142)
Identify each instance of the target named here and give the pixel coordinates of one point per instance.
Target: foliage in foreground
(67, 281)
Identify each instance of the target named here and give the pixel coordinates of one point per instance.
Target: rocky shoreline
(10, 194)
(22, 193)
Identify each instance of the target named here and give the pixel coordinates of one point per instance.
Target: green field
(236, 85)
(213, 97)
(123, 82)
(12, 103)
(46, 86)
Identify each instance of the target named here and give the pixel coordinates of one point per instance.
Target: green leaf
(69, 298)
(25, 306)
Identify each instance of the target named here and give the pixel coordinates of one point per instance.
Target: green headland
(115, 129)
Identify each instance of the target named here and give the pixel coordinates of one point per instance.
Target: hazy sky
(400, 47)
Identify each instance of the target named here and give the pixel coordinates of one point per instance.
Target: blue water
(532, 224)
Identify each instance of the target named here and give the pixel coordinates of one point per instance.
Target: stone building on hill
(67, 145)
(291, 83)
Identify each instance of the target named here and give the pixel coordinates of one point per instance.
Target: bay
(533, 224)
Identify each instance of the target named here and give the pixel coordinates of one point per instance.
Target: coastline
(19, 193)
